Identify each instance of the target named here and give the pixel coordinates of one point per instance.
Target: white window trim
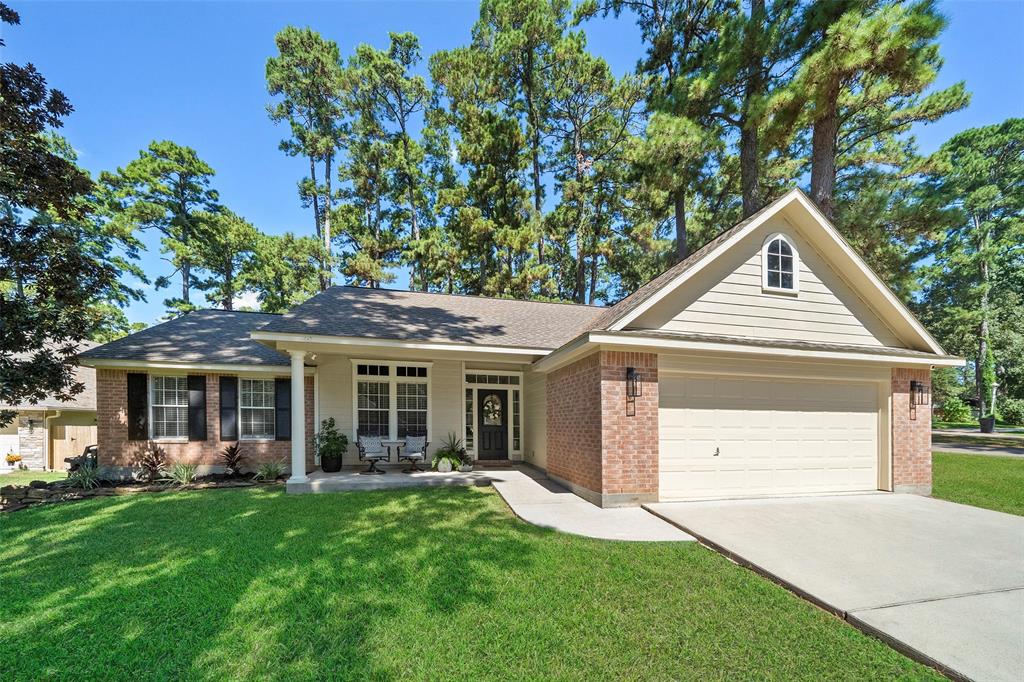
(393, 380)
(273, 409)
(521, 387)
(764, 266)
(151, 392)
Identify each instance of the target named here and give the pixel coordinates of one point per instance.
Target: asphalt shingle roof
(418, 316)
(200, 337)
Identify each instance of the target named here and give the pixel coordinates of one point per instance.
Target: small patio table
(397, 444)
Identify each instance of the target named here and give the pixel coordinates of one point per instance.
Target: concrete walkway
(540, 501)
(527, 491)
(942, 582)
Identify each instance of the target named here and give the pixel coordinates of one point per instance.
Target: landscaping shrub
(269, 471)
(233, 458)
(181, 474)
(1012, 410)
(152, 462)
(955, 410)
(85, 477)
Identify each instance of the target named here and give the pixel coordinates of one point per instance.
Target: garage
(741, 436)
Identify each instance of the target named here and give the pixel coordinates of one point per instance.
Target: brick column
(600, 444)
(911, 434)
(629, 430)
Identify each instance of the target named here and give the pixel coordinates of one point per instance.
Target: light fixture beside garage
(634, 384)
(919, 395)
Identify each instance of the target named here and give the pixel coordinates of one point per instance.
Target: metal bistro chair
(372, 450)
(415, 452)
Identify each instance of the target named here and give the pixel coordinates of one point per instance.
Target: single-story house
(46, 432)
(772, 361)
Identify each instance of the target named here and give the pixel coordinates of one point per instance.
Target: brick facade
(911, 434)
(115, 450)
(602, 444)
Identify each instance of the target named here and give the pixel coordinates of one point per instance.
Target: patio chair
(415, 452)
(372, 450)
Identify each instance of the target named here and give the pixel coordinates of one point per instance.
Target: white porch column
(298, 417)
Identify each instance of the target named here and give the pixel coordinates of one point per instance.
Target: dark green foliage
(953, 409)
(55, 265)
(329, 441)
(1012, 411)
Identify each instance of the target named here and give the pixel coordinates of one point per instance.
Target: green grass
(26, 477)
(980, 480)
(428, 584)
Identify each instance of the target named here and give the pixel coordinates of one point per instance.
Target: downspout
(47, 437)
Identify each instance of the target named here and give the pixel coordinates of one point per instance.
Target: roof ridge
(485, 298)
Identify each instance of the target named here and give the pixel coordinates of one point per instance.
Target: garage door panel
(773, 436)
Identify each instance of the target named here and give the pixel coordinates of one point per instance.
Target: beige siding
(334, 377)
(727, 299)
(536, 418)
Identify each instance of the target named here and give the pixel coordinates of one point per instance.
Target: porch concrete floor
(528, 492)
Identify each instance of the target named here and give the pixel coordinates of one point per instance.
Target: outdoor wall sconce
(634, 384)
(919, 393)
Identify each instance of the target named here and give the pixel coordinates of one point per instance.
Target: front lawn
(427, 584)
(980, 480)
(25, 477)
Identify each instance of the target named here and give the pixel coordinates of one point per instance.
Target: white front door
(747, 436)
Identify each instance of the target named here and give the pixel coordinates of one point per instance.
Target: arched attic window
(780, 270)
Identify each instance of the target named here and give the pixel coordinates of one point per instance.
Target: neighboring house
(45, 433)
(771, 361)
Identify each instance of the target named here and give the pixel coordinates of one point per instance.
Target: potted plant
(988, 423)
(331, 445)
(13, 459)
(449, 456)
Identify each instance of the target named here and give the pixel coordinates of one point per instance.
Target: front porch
(483, 404)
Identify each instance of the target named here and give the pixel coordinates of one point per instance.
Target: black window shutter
(283, 409)
(196, 407)
(138, 407)
(229, 408)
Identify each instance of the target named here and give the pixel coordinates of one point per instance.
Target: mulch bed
(16, 497)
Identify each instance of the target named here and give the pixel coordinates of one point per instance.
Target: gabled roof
(361, 312)
(202, 337)
(859, 274)
(624, 307)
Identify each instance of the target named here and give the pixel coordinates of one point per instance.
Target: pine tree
(231, 242)
(168, 188)
(284, 270)
(309, 78)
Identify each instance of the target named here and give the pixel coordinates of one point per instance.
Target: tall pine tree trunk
(823, 152)
(328, 206)
(229, 285)
(680, 209)
(982, 359)
(753, 87)
(538, 188)
(316, 216)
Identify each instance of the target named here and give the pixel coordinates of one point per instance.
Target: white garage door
(740, 436)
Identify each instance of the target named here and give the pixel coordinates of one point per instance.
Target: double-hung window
(256, 405)
(170, 407)
(392, 399)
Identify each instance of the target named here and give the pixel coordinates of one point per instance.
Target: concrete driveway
(943, 582)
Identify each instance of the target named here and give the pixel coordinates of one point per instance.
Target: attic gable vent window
(779, 265)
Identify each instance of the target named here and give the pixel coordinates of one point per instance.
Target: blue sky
(194, 73)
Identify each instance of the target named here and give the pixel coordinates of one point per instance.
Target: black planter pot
(988, 424)
(330, 464)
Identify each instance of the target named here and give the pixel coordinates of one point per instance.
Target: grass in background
(980, 480)
(19, 477)
(425, 584)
